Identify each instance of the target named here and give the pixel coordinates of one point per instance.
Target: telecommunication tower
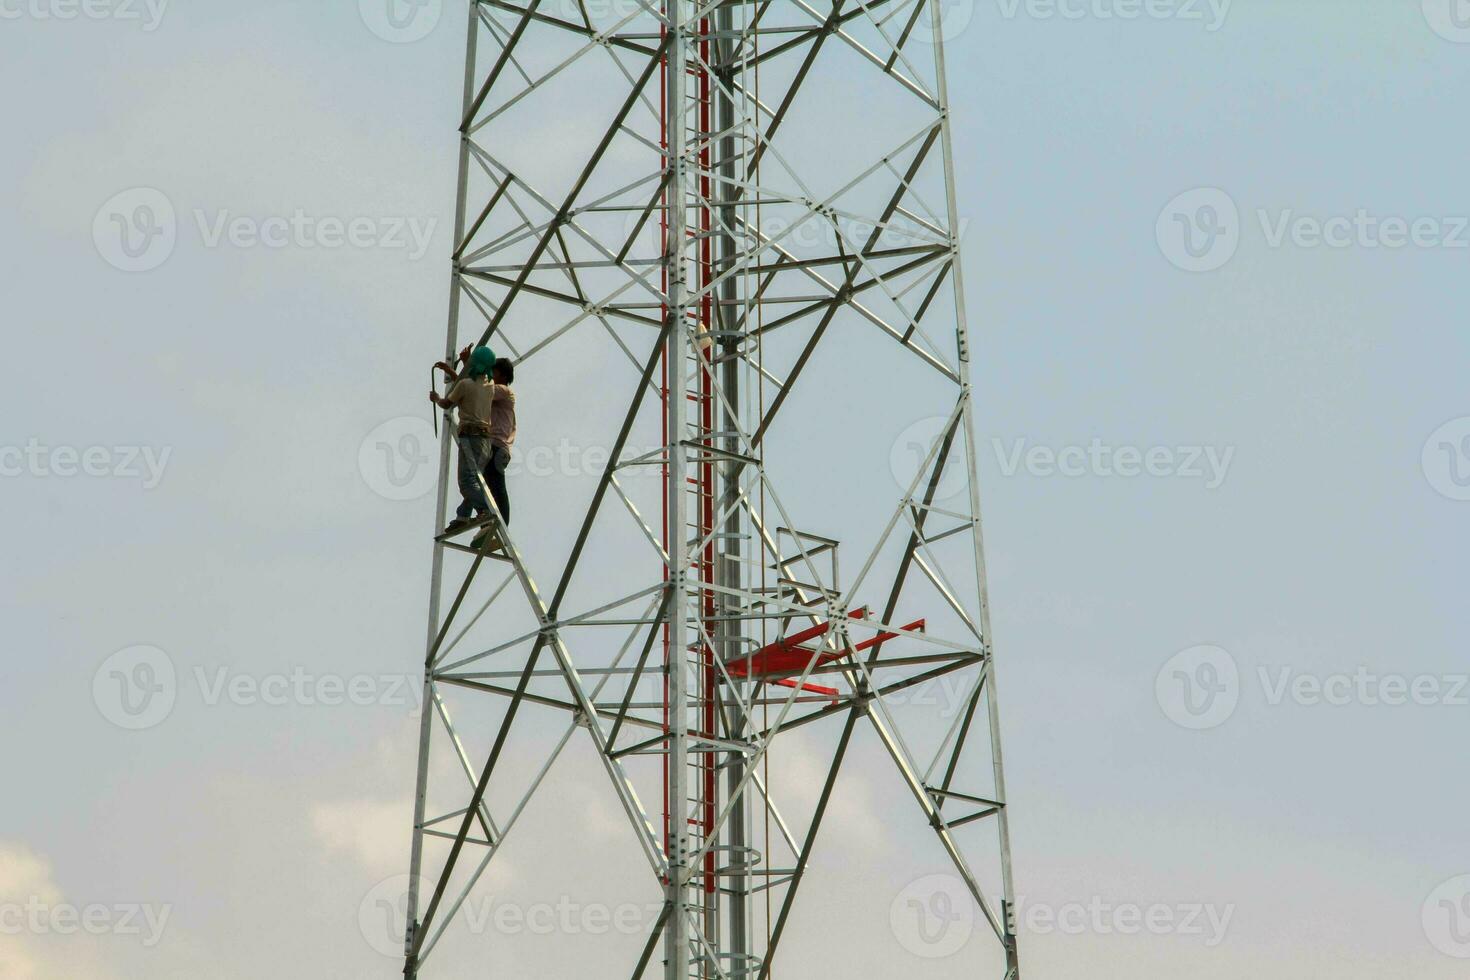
(749, 207)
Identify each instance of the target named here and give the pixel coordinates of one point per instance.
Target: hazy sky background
(1332, 545)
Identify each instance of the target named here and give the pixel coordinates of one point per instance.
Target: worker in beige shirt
(487, 430)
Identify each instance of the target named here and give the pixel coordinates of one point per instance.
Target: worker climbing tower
(721, 240)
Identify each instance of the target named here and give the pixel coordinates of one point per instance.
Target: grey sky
(229, 390)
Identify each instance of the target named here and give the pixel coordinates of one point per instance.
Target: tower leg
(436, 573)
(676, 363)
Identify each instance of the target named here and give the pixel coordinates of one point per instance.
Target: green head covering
(481, 361)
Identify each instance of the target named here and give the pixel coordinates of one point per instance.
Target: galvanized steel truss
(685, 126)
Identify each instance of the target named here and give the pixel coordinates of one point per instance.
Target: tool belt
(477, 430)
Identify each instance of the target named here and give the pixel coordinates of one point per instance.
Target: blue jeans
(474, 457)
(479, 457)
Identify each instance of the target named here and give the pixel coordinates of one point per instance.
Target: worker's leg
(495, 477)
(474, 452)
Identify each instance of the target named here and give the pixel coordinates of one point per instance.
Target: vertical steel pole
(972, 452)
(676, 354)
(728, 570)
(436, 574)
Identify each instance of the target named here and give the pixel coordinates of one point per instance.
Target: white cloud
(798, 770)
(25, 874)
(373, 832)
(26, 879)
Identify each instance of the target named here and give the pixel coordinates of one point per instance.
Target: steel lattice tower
(647, 176)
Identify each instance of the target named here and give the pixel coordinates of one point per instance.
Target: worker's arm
(449, 372)
(450, 400)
